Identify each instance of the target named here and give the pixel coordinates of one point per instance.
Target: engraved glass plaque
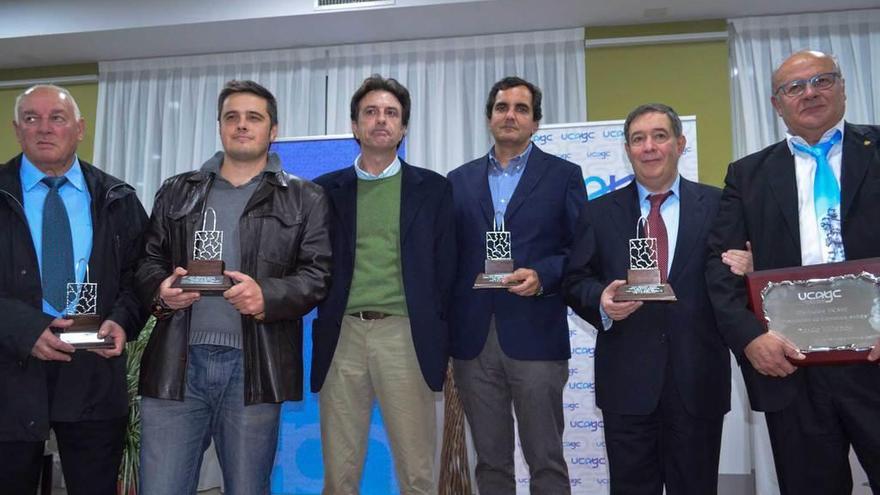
(643, 277)
(204, 272)
(499, 260)
(830, 312)
(82, 307)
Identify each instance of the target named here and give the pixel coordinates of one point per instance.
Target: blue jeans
(175, 434)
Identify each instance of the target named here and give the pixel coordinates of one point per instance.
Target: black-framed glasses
(797, 87)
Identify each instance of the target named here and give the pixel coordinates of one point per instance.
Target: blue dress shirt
(503, 181)
(77, 200)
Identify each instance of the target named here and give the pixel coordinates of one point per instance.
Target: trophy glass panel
(498, 245)
(82, 299)
(208, 245)
(643, 253)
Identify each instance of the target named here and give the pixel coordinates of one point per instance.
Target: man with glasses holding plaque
(813, 198)
(66, 225)
(222, 359)
(516, 210)
(662, 369)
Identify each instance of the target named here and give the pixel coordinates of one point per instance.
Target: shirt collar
(390, 170)
(644, 193)
(516, 164)
(273, 163)
(31, 175)
(789, 137)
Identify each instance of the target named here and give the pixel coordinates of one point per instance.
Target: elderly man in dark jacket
(64, 222)
(219, 367)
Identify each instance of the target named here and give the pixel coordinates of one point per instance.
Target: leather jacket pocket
(279, 242)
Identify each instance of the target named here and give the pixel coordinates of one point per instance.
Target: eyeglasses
(799, 86)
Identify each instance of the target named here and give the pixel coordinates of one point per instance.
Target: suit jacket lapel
(783, 185)
(411, 197)
(858, 155)
(344, 200)
(535, 169)
(627, 213)
(691, 218)
(480, 183)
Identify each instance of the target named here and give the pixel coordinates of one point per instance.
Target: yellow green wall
(86, 96)
(691, 77)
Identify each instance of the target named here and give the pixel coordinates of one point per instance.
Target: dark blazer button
(23, 272)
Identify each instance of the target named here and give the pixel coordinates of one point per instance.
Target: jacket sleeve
(127, 310)
(727, 291)
(550, 269)
(445, 253)
(20, 327)
(583, 284)
(294, 295)
(155, 264)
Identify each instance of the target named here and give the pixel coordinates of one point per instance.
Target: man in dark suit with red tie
(811, 198)
(662, 369)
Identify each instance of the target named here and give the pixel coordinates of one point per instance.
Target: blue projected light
(298, 465)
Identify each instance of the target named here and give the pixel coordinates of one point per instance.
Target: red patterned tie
(657, 229)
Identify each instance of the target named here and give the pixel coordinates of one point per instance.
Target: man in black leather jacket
(44, 384)
(218, 367)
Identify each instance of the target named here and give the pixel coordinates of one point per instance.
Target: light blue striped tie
(57, 251)
(826, 196)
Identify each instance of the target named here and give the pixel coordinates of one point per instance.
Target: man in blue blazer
(662, 369)
(382, 331)
(512, 345)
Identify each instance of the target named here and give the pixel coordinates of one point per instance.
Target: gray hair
(62, 91)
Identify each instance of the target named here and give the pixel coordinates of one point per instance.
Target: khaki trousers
(377, 359)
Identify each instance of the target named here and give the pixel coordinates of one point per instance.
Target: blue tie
(57, 250)
(826, 196)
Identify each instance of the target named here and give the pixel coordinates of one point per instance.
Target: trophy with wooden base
(499, 262)
(82, 307)
(643, 281)
(204, 272)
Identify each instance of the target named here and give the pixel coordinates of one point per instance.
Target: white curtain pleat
(158, 117)
(449, 80)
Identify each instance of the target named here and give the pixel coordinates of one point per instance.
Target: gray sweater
(214, 320)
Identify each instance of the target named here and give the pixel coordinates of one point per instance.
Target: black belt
(370, 315)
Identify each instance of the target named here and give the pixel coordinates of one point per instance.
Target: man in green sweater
(382, 331)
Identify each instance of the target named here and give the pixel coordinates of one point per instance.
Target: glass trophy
(499, 262)
(643, 277)
(81, 306)
(204, 272)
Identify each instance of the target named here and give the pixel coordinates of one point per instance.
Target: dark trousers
(667, 447)
(90, 455)
(811, 437)
(488, 385)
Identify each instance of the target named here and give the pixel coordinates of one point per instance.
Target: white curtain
(158, 117)
(757, 46)
(760, 44)
(449, 80)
